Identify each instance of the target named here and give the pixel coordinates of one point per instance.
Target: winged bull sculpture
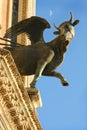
(41, 58)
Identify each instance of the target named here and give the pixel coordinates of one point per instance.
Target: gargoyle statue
(41, 58)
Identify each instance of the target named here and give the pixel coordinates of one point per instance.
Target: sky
(65, 108)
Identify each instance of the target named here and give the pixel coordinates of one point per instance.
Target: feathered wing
(33, 27)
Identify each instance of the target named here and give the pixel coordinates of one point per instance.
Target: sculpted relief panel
(14, 98)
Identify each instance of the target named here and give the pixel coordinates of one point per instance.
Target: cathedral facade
(17, 104)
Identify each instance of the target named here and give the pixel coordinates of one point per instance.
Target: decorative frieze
(17, 105)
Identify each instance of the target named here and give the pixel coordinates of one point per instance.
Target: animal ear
(75, 22)
(56, 32)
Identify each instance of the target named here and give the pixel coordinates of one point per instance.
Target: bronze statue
(41, 58)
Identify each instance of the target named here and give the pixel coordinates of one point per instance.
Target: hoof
(65, 83)
(32, 85)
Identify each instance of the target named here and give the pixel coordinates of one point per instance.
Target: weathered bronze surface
(41, 58)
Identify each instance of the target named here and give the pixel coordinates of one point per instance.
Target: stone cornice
(15, 103)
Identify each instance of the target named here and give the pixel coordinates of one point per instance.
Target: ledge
(35, 97)
(17, 107)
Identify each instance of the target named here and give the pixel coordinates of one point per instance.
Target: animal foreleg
(57, 75)
(38, 73)
(41, 66)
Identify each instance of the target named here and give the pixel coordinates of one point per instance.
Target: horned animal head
(67, 27)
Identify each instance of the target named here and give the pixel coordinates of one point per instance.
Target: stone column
(26, 9)
(5, 16)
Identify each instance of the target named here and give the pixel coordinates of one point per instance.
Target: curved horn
(71, 17)
(56, 27)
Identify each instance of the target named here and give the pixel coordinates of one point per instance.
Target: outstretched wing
(33, 27)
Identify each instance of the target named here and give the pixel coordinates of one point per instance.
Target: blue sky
(65, 108)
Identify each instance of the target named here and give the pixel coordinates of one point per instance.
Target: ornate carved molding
(15, 103)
